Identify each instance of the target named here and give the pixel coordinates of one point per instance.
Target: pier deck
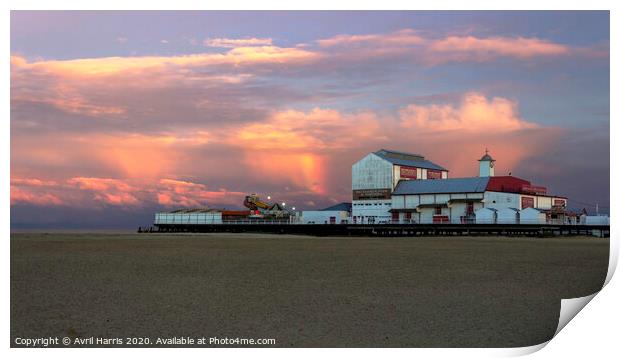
(392, 229)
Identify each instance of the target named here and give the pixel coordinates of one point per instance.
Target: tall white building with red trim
(375, 176)
(457, 200)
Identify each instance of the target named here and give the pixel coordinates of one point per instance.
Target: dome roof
(486, 157)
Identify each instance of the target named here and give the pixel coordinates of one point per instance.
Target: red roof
(235, 212)
(508, 184)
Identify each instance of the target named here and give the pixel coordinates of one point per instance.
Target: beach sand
(302, 291)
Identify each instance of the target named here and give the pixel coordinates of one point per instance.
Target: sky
(117, 115)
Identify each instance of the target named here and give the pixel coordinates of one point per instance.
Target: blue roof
(407, 159)
(442, 186)
(513, 209)
(339, 207)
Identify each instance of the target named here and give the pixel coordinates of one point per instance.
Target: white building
(594, 220)
(337, 214)
(438, 201)
(487, 165)
(507, 216)
(532, 216)
(457, 200)
(486, 216)
(189, 217)
(375, 176)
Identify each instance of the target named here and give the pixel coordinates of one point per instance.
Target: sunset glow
(189, 116)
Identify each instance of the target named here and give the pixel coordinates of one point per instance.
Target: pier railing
(393, 222)
(259, 222)
(396, 229)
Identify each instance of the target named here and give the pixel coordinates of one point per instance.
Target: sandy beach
(300, 291)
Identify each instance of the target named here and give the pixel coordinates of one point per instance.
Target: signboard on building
(369, 194)
(559, 202)
(534, 189)
(433, 174)
(527, 202)
(408, 172)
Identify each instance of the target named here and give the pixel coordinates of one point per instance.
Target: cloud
(453, 135)
(108, 191)
(432, 51)
(232, 43)
(318, 129)
(33, 191)
(250, 52)
(475, 113)
(403, 37)
(304, 172)
(149, 91)
(124, 155)
(240, 83)
(205, 129)
(99, 184)
(21, 196)
(32, 182)
(107, 66)
(470, 48)
(294, 154)
(67, 99)
(175, 193)
(88, 192)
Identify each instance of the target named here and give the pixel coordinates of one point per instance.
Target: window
(470, 208)
(527, 202)
(438, 210)
(433, 174)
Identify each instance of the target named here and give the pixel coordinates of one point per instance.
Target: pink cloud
(403, 37)
(66, 98)
(32, 182)
(109, 191)
(231, 43)
(305, 170)
(303, 153)
(252, 52)
(171, 192)
(125, 193)
(453, 135)
(110, 66)
(297, 151)
(475, 113)
(99, 184)
(119, 89)
(318, 129)
(470, 48)
(163, 191)
(408, 43)
(21, 195)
